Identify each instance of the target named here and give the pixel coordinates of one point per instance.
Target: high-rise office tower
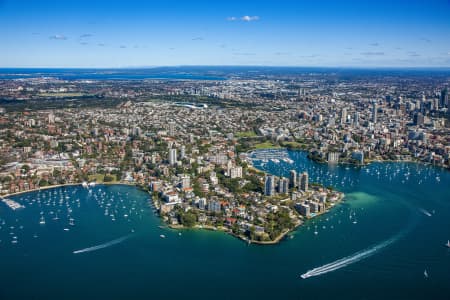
(374, 112)
(344, 116)
(172, 156)
(444, 98)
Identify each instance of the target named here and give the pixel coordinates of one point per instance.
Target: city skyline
(296, 33)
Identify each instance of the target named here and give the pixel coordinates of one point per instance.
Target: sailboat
(42, 220)
(448, 244)
(425, 274)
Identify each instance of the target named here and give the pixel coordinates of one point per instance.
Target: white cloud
(58, 37)
(243, 18)
(250, 18)
(372, 53)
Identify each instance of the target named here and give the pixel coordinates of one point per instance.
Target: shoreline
(346, 163)
(277, 240)
(48, 187)
(243, 238)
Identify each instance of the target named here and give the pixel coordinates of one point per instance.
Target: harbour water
(392, 226)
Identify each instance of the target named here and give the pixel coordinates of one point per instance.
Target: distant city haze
(120, 34)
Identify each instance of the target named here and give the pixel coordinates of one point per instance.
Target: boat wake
(360, 255)
(104, 245)
(343, 262)
(425, 212)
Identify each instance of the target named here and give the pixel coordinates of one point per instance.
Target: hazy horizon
(136, 34)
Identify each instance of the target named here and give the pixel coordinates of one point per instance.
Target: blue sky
(378, 33)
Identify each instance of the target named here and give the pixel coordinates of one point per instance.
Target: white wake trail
(343, 262)
(360, 255)
(104, 245)
(425, 212)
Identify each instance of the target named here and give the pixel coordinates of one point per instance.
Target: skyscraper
(344, 116)
(444, 98)
(269, 185)
(374, 112)
(183, 152)
(293, 178)
(51, 118)
(137, 131)
(304, 181)
(172, 156)
(356, 119)
(283, 185)
(418, 119)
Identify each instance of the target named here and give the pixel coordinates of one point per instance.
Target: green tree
(108, 178)
(188, 219)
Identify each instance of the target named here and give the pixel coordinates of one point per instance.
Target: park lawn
(242, 134)
(266, 145)
(61, 95)
(101, 178)
(293, 144)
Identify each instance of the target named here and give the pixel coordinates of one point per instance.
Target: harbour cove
(391, 227)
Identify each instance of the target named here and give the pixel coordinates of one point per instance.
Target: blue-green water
(389, 201)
